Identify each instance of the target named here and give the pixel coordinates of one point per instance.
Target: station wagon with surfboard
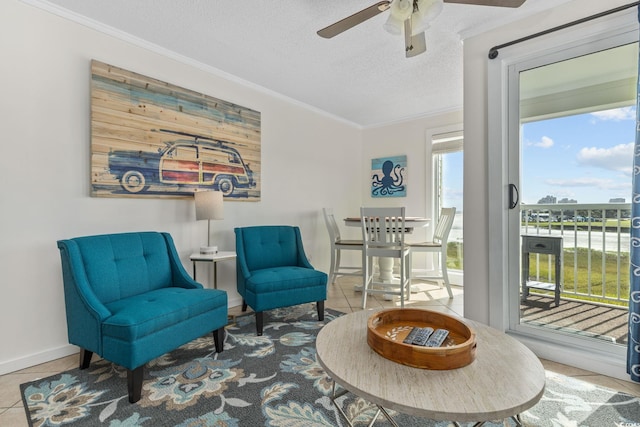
(200, 161)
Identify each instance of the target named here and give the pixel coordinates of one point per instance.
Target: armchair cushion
(144, 314)
(284, 286)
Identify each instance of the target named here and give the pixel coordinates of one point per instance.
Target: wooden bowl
(387, 329)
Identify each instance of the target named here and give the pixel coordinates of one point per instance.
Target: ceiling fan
(410, 16)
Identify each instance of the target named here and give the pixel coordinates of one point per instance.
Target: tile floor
(341, 297)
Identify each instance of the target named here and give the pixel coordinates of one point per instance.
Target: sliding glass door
(572, 128)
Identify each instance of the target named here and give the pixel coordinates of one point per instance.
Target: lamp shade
(209, 205)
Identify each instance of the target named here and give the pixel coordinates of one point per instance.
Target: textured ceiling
(360, 76)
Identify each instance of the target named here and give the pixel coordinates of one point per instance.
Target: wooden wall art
(388, 177)
(153, 139)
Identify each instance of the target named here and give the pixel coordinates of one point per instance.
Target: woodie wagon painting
(153, 139)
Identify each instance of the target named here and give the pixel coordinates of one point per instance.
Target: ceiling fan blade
(353, 20)
(498, 3)
(413, 45)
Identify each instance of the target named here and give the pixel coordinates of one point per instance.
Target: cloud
(601, 183)
(618, 158)
(545, 142)
(617, 114)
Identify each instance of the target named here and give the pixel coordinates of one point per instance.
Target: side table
(213, 258)
(550, 245)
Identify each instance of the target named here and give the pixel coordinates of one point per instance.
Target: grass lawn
(577, 280)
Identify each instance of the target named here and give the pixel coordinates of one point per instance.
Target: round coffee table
(505, 379)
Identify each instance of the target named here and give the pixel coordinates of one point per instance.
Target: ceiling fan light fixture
(399, 11)
(393, 25)
(409, 16)
(427, 11)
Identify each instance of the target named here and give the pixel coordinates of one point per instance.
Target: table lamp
(209, 205)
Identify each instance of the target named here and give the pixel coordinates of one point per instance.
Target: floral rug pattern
(272, 380)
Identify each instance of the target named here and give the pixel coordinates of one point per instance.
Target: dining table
(385, 265)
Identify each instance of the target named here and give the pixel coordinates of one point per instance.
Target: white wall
(309, 160)
(411, 138)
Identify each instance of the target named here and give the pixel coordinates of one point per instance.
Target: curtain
(633, 349)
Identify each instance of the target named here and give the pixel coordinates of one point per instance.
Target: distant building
(565, 200)
(617, 200)
(547, 200)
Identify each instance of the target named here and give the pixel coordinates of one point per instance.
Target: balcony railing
(596, 248)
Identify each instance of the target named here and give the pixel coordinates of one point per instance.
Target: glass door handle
(514, 196)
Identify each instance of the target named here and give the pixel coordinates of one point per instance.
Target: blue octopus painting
(388, 177)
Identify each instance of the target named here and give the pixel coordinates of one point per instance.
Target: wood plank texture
(140, 119)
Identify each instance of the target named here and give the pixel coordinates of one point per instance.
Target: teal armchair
(129, 299)
(273, 271)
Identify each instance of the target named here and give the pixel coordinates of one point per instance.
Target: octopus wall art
(388, 177)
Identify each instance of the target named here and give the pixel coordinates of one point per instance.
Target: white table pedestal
(385, 265)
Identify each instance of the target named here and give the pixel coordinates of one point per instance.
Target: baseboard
(455, 277)
(234, 301)
(63, 351)
(37, 359)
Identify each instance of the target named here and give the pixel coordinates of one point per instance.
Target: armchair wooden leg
(218, 339)
(244, 305)
(259, 322)
(85, 358)
(134, 383)
(320, 305)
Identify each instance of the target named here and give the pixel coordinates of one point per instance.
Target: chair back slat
(443, 227)
(383, 228)
(383, 232)
(332, 226)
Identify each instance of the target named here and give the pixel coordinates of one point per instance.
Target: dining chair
(438, 245)
(383, 232)
(337, 246)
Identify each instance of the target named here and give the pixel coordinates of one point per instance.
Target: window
(447, 188)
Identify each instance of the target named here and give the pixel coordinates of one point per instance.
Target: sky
(586, 157)
(453, 180)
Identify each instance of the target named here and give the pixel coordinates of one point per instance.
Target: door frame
(504, 224)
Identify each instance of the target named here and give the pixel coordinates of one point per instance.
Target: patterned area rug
(272, 380)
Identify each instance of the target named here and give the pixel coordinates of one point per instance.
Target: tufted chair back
(123, 265)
